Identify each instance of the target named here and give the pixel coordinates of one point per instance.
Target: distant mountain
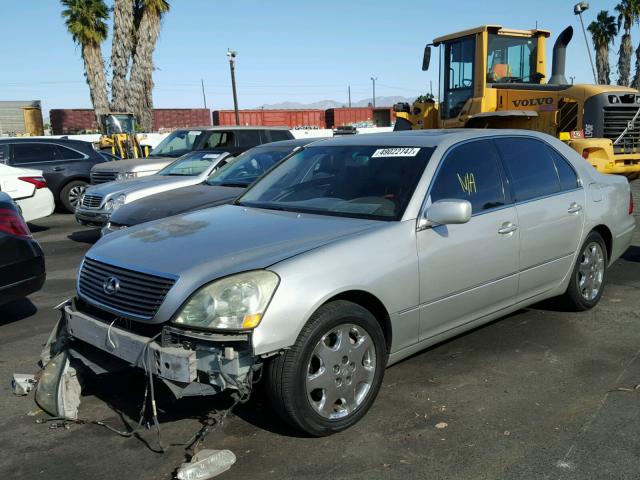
(325, 104)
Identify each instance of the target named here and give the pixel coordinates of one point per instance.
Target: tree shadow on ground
(85, 236)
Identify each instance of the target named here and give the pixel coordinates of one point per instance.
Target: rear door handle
(57, 169)
(574, 208)
(507, 228)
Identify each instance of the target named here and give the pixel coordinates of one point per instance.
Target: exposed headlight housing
(109, 204)
(126, 175)
(237, 302)
(119, 201)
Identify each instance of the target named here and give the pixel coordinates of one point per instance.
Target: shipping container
(70, 121)
(172, 118)
(21, 118)
(339, 117)
(272, 118)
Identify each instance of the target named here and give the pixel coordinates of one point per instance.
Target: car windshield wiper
(229, 184)
(266, 206)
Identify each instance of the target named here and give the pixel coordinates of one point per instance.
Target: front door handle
(507, 228)
(574, 208)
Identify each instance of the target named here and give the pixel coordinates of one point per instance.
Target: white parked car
(100, 201)
(28, 189)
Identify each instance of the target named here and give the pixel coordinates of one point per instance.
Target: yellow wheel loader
(119, 136)
(494, 77)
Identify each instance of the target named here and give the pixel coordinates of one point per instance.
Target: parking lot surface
(540, 394)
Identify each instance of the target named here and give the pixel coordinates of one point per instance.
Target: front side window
(24, 153)
(248, 167)
(277, 135)
(219, 140)
(373, 182)
(190, 164)
(457, 75)
(177, 143)
(511, 59)
(530, 168)
(471, 171)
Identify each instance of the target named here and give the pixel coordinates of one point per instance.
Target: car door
(470, 270)
(550, 211)
(40, 156)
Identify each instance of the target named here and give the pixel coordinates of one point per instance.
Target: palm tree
(628, 12)
(139, 98)
(603, 31)
(121, 52)
(86, 21)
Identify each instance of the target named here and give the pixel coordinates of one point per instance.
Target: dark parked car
(21, 259)
(233, 140)
(221, 187)
(65, 164)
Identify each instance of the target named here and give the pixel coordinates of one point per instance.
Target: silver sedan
(349, 256)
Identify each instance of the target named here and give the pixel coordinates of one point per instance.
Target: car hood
(173, 202)
(201, 246)
(133, 164)
(136, 184)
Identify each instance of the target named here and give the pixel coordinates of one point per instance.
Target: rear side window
(4, 153)
(69, 154)
(248, 138)
(24, 153)
(277, 135)
(471, 172)
(566, 173)
(530, 168)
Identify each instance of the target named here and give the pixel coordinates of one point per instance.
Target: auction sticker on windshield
(396, 152)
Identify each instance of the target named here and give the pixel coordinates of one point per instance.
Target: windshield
(353, 181)
(177, 143)
(248, 167)
(511, 59)
(191, 164)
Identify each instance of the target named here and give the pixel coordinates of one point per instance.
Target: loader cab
(485, 57)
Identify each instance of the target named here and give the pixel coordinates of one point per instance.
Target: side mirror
(426, 59)
(446, 212)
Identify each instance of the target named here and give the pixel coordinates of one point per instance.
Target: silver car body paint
(433, 282)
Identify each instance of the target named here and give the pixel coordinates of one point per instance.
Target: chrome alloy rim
(591, 271)
(340, 371)
(75, 193)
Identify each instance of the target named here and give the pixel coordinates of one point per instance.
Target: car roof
(230, 127)
(296, 142)
(61, 141)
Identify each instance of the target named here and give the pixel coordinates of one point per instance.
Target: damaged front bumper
(190, 363)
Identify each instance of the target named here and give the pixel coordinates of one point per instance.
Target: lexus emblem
(111, 286)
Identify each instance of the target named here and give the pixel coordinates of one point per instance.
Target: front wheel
(589, 274)
(330, 377)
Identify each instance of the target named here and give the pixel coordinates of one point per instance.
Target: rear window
(248, 138)
(566, 173)
(68, 153)
(277, 135)
(530, 168)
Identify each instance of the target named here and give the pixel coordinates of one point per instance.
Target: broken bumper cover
(190, 363)
(92, 217)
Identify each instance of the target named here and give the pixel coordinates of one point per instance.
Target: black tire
(286, 374)
(69, 194)
(575, 297)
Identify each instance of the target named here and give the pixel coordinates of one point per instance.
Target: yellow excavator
(494, 77)
(119, 136)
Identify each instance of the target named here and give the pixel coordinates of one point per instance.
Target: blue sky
(287, 50)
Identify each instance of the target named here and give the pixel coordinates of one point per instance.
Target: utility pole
(578, 8)
(373, 79)
(572, 77)
(232, 54)
(204, 97)
(349, 90)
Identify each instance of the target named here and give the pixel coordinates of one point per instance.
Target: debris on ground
(22, 383)
(206, 464)
(442, 425)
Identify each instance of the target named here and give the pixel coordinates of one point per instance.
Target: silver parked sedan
(350, 255)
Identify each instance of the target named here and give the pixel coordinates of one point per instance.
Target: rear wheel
(589, 274)
(71, 193)
(329, 379)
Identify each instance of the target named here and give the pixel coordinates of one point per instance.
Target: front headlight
(109, 204)
(119, 201)
(237, 302)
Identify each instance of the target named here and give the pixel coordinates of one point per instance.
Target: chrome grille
(139, 295)
(103, 177)
(91, 201)
(616, 119)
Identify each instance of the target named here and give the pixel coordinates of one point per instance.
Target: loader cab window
(457, 75)
(511, 59)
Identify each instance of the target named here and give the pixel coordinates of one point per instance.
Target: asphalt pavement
(540, 394)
